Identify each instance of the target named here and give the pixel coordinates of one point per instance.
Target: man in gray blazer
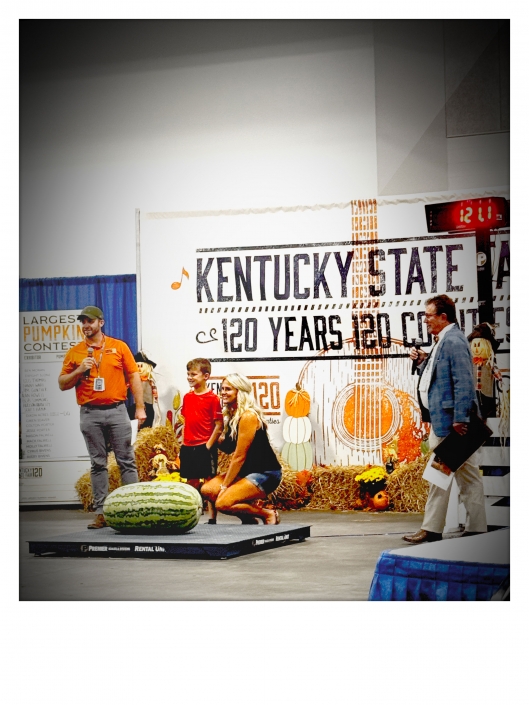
(447, 397)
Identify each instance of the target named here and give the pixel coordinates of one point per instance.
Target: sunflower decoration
(371, 481)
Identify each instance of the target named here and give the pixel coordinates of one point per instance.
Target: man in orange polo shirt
(99, 369)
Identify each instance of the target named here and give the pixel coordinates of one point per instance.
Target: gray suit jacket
(452, 394)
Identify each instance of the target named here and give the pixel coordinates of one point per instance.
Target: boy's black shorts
(197, 462)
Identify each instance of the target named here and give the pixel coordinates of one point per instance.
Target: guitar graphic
(364, 409)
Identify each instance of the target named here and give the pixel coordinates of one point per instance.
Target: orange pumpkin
(297, 402)
(379, 501)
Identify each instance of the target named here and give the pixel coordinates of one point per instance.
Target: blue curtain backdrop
(115, 295)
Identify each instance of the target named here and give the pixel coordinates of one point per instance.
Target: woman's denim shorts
(267, 481)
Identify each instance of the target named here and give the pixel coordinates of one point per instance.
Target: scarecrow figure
(483, 345)
(150, 392)
(159, 463)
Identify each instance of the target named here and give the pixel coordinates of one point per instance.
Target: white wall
(205, 115)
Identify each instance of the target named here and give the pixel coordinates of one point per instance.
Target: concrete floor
(336, 563)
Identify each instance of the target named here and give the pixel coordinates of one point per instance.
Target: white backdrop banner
(330, 299)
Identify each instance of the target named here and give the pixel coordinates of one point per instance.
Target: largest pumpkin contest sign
(317, 306)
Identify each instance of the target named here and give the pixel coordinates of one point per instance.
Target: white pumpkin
(296, 430)
(298, 455)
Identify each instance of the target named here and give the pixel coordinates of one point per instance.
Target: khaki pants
(470, 486)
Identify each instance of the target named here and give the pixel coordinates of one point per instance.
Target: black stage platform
(204, 541)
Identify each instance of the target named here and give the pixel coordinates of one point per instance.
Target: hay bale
(143, 452)
(291, 494)
(407, 490)
(334, 488)
(84, 491)
(331, 488)
(83, 486)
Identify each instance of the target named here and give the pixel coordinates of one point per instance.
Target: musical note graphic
(177, 285)
(203, 332)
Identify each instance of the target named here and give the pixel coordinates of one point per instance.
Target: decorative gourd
(379, 501)
(297, 402)
(298, 455)
(172, 507)
(296, 430)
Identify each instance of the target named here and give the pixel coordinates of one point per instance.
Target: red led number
(475, 215)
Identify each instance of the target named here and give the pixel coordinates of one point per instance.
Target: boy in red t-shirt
(203, 424)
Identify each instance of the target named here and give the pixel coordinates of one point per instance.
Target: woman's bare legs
(211, 488)
(212, 514)
(232, 500)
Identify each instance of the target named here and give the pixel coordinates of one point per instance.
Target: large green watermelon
(173, 507)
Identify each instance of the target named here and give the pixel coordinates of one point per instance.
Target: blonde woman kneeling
(254, 471)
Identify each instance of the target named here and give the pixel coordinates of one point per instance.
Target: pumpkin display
(297, 402)
(380, 501)
(298, 455)
(297, 451)
(296, 429)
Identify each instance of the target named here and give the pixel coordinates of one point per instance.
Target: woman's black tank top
(260, 456)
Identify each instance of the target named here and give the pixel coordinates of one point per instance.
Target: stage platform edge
(218, 541)
(455, 569)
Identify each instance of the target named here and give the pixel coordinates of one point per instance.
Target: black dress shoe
(472, 533)
(423, 536)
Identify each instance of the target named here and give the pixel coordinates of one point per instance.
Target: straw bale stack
(407, 490)
(329, 488)
(334, 487)
(143, 451)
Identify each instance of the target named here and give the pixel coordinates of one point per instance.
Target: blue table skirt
(400, 577)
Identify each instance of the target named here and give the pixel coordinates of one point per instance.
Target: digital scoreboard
(469, 215)
(479, 216)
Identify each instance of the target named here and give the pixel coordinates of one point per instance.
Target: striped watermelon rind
(153, 507)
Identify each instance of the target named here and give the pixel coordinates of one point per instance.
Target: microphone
(90, 352)
(417, 344)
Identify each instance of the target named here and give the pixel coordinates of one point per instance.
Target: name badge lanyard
(98, 364)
